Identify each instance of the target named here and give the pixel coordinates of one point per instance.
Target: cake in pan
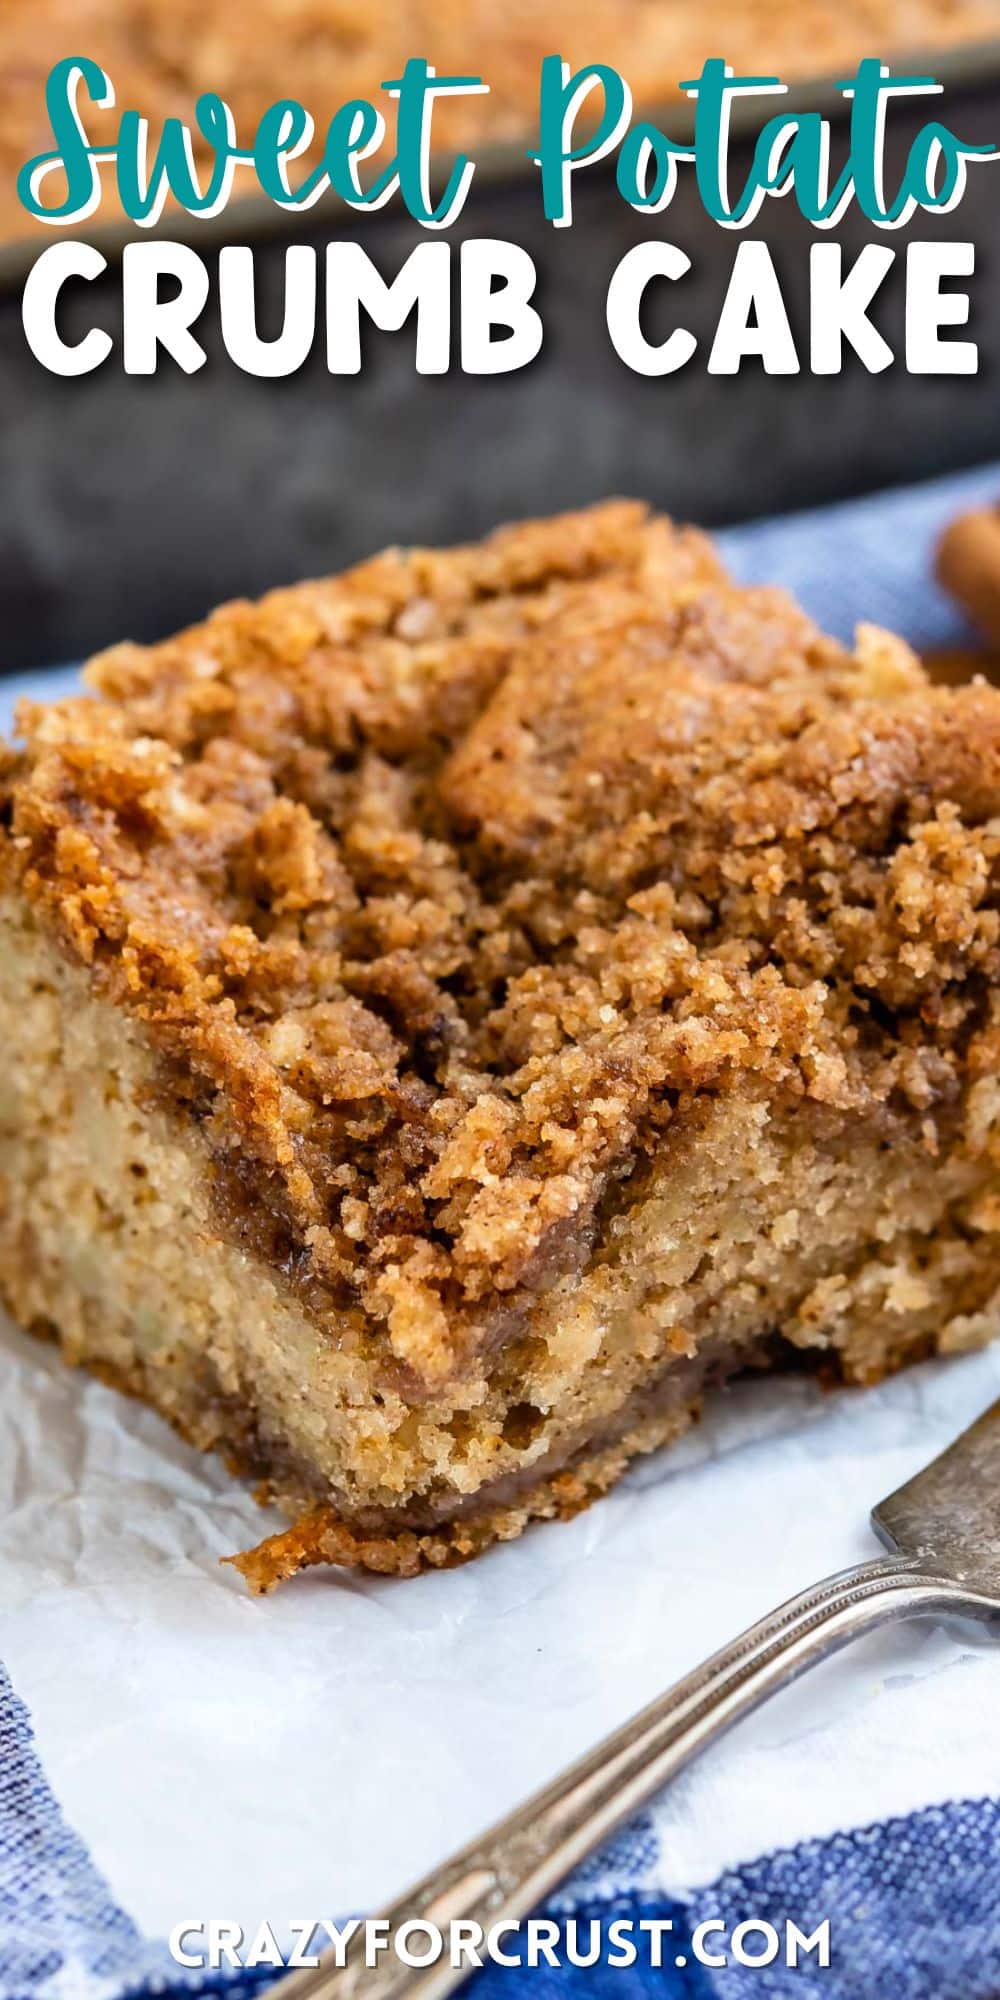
(162, 54)
(456, 1013)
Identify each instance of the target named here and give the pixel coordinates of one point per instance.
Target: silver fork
(943, 1533)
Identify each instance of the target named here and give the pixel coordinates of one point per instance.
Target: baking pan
(131, 505)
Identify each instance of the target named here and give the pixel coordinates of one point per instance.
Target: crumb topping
(445, 887)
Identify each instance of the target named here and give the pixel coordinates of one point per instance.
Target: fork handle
(510, 1869)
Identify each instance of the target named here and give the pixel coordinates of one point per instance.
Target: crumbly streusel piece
(460, 1010)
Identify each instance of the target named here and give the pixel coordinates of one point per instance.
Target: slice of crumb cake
(457, 1012)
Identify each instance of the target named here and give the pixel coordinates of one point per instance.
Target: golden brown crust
(322, 1536)
(443, 887)
(161, 54)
